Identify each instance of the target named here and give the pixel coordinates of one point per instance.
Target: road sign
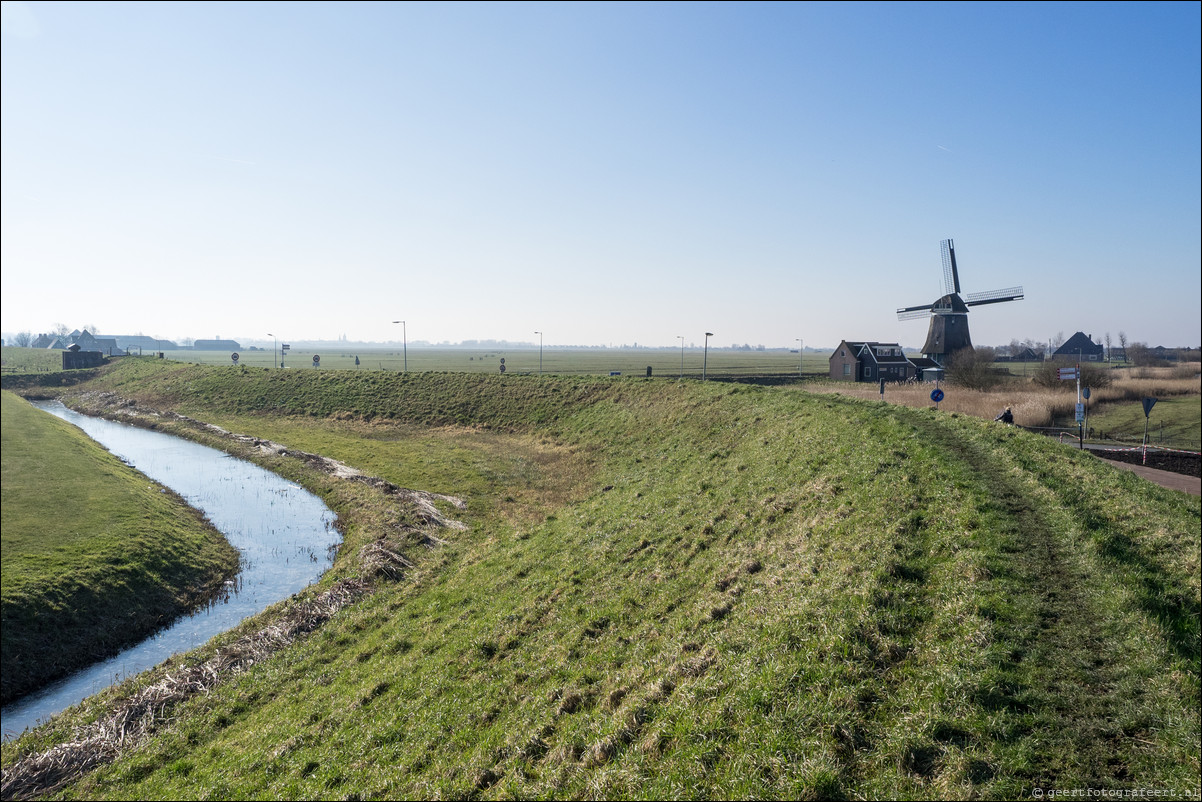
(936, 395)
(1080, 412)
(234, 356)
(1067, 374)
(1148, 404)
(285, 347)
(316, 360)
(1085, 393)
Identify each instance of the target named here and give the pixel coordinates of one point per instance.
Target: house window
(847, 370)
(867, 372)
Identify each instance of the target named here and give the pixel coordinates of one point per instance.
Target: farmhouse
(866, 361)
(1080, 348)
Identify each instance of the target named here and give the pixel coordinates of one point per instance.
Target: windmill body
(948, 332)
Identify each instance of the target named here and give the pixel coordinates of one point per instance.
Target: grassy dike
(95, 555)
(671, 590)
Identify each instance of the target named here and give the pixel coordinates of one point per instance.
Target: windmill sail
(948, 330)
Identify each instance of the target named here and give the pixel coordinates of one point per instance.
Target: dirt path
(1056, 676)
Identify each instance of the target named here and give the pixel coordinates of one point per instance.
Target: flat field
(665, 363)
(95, 555)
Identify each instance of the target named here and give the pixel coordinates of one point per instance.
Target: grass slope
(95, 554)
(699, 590)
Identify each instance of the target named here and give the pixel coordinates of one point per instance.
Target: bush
(1048, 375)
(973, 368)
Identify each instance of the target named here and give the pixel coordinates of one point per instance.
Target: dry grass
(1032, 405)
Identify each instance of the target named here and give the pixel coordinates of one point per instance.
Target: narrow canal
(285, 535)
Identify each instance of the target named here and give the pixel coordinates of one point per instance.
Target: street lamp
(681, 338)
(801, 350)
(706, 357)
(540, 352)
(274, 348)
(404, 341)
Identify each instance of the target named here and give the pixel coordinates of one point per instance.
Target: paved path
(1173, 481)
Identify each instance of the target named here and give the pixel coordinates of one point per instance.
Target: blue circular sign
(936, 395)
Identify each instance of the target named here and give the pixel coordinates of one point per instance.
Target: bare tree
(1056, 341)
(22, 339)
(1107, 338)
(973, 368)
(60, 330)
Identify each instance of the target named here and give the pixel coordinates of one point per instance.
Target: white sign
(1080, 412)
(1068, 374)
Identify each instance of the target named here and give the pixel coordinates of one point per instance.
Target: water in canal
(284, 533)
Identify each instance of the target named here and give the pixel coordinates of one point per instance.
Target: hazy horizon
(600, 173)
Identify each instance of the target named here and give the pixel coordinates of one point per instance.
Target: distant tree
(1140, 355)
(973, 368)
(22, 339)
(1123, 340)
(1107, 340)
(60, 330)
(90, 328)
(1056, 341)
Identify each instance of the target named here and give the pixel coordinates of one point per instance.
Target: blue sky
(604, 173)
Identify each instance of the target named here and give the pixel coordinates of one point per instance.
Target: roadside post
(1074, 374)
(1148, 403)
(1085, 394)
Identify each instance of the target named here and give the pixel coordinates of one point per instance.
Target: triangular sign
(1148, 404)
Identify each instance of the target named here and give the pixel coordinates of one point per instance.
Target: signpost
(316, 360)
(234, 357)
(1148, 404)
(1074, 374)
(936, 396)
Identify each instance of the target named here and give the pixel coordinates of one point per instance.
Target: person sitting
(1006, 417)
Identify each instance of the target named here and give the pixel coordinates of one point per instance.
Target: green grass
(1174, 421)
(95, 555)
(30, 360)
(688, 590)
(664, 362)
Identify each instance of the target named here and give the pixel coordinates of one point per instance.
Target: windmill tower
(949, 314)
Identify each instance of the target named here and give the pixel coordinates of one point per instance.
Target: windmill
(949, 314)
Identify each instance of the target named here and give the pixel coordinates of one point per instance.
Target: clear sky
(603, 173)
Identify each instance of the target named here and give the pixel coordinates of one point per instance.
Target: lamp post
(404, 342)
(706, 356)
(274, 349)
(681, 338)
(801, 351)
(540, 352)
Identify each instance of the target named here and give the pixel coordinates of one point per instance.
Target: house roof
(1081, 343)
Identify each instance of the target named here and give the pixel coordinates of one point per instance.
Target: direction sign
(1067, 374)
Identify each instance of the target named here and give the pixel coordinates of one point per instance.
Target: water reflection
(285, 535)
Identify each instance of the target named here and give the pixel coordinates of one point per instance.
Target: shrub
(1048, 375)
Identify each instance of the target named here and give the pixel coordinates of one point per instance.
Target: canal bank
(284, 534)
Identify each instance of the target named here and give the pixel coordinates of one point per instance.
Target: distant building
(131, 342)
(867, 361)
(215, 345)
(1080, 348)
